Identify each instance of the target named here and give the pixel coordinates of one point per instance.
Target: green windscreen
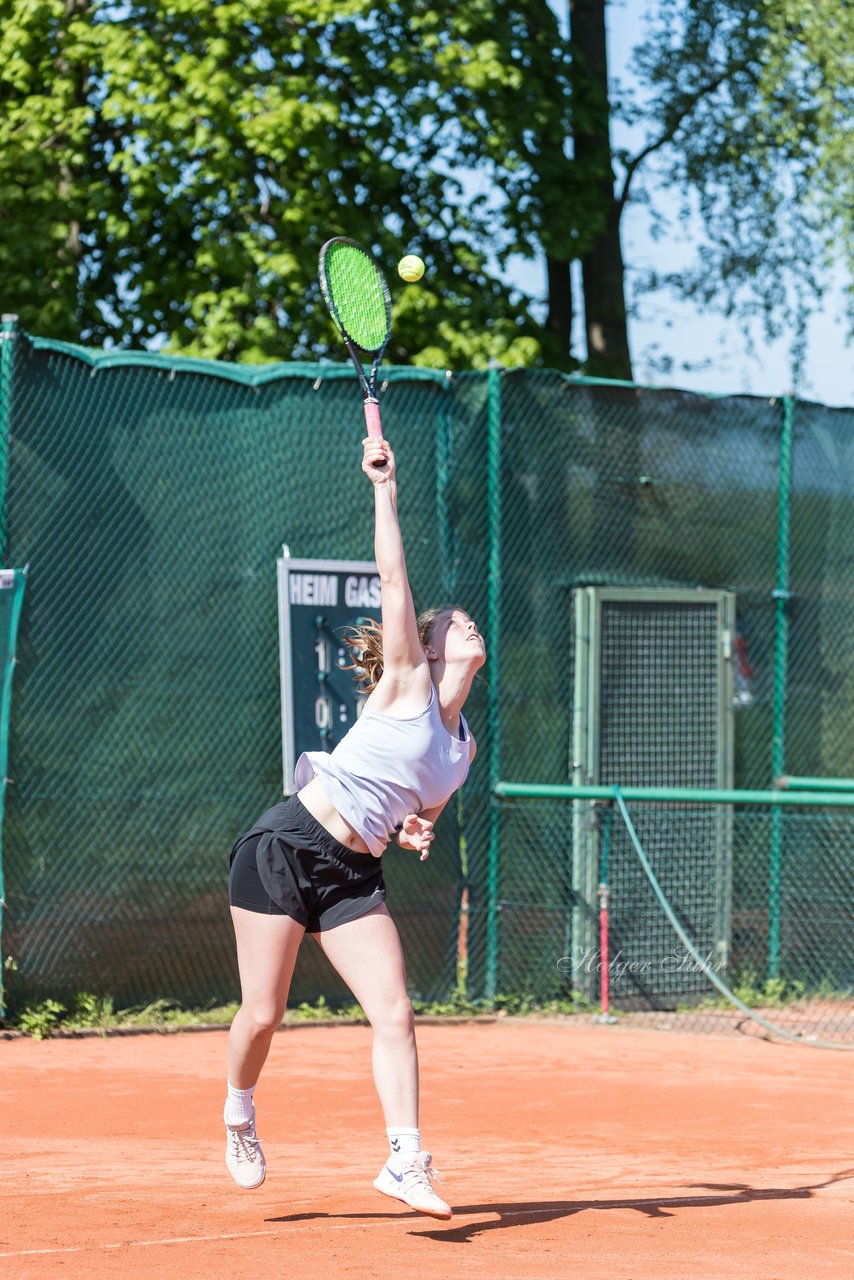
(357, 294)
(151, 496)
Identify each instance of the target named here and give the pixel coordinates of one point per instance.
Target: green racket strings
(358, 295)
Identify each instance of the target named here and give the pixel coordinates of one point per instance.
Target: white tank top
(386, 767)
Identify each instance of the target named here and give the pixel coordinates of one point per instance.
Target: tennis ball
(410, 268)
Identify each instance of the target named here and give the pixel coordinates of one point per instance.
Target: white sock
(404, 1141)
(238, 1106)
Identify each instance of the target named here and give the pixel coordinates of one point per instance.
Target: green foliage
(96, 1012)
(169, 170)
(171, 1013)
(92, 1011)
(49, 1016)
(172, 169)
(521, 1005)
(772, 993)
(758, 993)
(504, 81)
(39, 1020)
(321, 1011)
(807, 94)
(748, 112)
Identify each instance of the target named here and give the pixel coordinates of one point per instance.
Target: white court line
(129, 1244)
(231, 1235)
(737, 1197)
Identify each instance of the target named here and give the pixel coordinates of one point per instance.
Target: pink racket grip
(372, 418)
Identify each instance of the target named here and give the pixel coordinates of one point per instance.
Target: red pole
(605, 995)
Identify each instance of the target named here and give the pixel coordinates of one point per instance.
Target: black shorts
(289, 865)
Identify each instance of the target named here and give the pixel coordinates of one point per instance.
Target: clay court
(568, 1150)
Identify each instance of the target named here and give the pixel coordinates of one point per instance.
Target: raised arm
(403, 656)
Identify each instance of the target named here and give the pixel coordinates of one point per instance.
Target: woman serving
(314, 863)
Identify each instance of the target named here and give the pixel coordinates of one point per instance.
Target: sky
(667, 326)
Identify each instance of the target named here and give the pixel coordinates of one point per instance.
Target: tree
(174, 167)
(750, 107)
(171, 167)
(808, 91)
(517, 100)
(743, 114)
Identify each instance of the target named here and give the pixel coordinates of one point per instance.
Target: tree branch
(672, 129)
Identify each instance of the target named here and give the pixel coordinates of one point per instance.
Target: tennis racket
(357, 295)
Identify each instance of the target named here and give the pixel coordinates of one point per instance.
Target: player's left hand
(377, 460)
(416, 833)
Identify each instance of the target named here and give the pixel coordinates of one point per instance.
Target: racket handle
(372, 418)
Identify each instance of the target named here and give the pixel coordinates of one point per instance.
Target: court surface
(568, 1151)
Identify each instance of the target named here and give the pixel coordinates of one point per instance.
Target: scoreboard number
(319, 600)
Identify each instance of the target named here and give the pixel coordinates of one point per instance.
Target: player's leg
(268, 939)
(267, 947)
(368, 955)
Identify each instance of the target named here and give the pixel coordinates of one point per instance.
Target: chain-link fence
(657, 964)
(151, 496)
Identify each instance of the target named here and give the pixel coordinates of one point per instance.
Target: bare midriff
(314, 799)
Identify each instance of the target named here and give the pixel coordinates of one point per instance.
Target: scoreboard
(318, 601)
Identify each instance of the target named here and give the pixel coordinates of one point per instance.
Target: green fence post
(13, 600)
(8, 334)
(448, 551)
(781, 596)
(493, 485)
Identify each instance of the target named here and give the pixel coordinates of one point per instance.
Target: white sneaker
(243, 1155)
(409, 1178)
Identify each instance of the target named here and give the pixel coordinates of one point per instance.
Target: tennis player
(314, 862)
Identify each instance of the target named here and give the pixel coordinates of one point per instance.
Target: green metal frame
(581, 925)
(589, 601)
(584, 770)
(816, 784)
(675, 795)
(7, 677)
(8, 343)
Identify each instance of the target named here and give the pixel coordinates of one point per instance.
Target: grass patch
(90, 1012)
(770, 993)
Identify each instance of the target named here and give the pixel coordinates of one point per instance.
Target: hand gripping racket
(358, 298)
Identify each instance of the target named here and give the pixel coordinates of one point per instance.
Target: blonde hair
(365, 643)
